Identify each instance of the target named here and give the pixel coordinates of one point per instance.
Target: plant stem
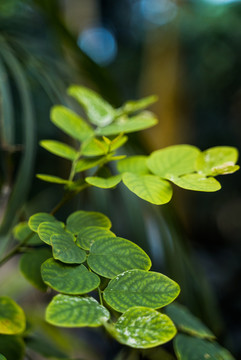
(100, 296)
(16, 249)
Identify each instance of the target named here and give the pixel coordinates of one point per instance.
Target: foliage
(82, 259)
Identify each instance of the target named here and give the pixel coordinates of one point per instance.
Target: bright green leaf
(97, 109)
(36, 219)
(82, 219)
(218, 160)
(104, 183)
(141, 327)
(139, 122)
(173, 161)
(149, 187)
(30, 264)
(72, 311)
(22, 231)
(53, 179)
(12, 317)
(69, 279)
(66, 250)
(71, 123)
(47, 229)
(87, 236)
(96, 147)
(136, 105)
(60, 149)
(89, 163)
(197, 182)
(133, 164)
(111, 256)
(12, 347)
(191, 348)
(140, 288)
(187, 322)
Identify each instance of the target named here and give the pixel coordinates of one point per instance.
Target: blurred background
(188, 53)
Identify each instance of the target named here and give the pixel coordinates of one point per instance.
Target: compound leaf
(140, 288)
(96, 147)
(173, 160)
(149, 187)
(69, 279)
(104, 183)
(87, 236)
(111, 256)
(133, 164)
(36, 219)
(82, 219)
(72, 311)
(12, 317)
(66, 250)
(60, 149)
(142, 327)
(47, 229)
(197, 182)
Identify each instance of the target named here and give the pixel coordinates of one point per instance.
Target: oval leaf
(97, 109)
(71, 123)
(197, 182)
(72, 311)
(66, 250)
(141, 327)
(187, 322)
(133, 164)
(149, 187)
(140, 288)
(22, 231)
(12, 317)
(191, 348)
(139, 122)
(110, 257)
(69, 279)
(136, 105)
(30, 264)
(173, 160)
(82, 219)
(87, 236)
(60, 149)
(217, 161)
(47, 229)
(104, 183)
(36, 219)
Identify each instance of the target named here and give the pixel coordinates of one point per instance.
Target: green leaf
(71, 123)
(136, 105)
(72, 311)
(97, 109)
(96, 147)
(12, 347)
(104, 183)
(12, 317)
(47, 229)
(89, 163)
(141, 327)
(197, 182)
(30, 264)
(133, 164)
(36, 219)
(53, 179)
(66, 250)
(82, 219)
(111, 256)
(69, 279)
(139, 122)
(173, 160)
(60, 149)
(87, 236)
(149, 187)
(191, 348)
(2, 357)
(140, 288)
(45, 347)
(187, 322)
(21, 231)
(218, 160)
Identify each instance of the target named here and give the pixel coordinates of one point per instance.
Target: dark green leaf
(60, 149)
(111, 256)
(87, 236)
(69, 279)
(21, 231)
(66, 250)
(12, 347)
(82, 219)
(12, 317)
(72, 311)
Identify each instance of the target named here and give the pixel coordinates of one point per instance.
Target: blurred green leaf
(60, 149)
(72, 311)
(44, 347)
(89, 163)
(140, 288)
(197, 182)
(53, 179)
(134, 164)
(22, 231)
(12, 317)
(82, 219)
(12, 347)
(136, 105)
(104, 183)
(66, 250)
(149, 187)
(111, 256)
(69, 279)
